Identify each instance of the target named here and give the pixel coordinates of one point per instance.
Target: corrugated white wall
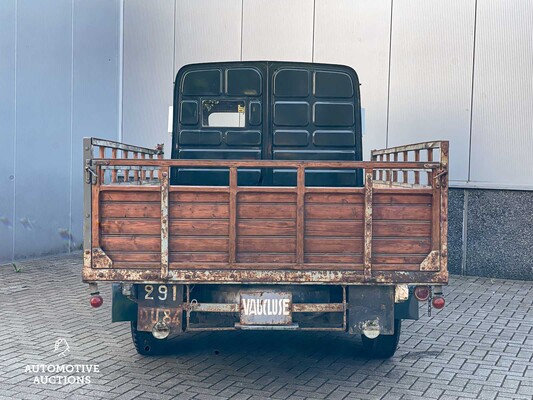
(59, 76)
(460, 70)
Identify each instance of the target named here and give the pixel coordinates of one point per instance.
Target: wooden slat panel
(132, 195)
(251, 227)
(401, 229)
(130, 210)
(397, 212)
(199, 210)
(198, 197)
(250, 197)
(335, 211)
(199, 227)
(398, 259)
(381, 198)
(333, 245)
(129, 256)
(402, 246)
(266, 211)
(131, 243)
(141, 226)
(266, 244)
(198, 257)
(329, 198)
(335, 258)
(136, 265)
(198, 244)
(395, 267)
(315, 227)
(266, 258)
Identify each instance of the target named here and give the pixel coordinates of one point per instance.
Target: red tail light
(96, 301)
(438, 302)
(422, 293)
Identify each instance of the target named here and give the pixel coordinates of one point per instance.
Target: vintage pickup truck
(265, 217)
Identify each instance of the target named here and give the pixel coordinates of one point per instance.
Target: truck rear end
(251, 226)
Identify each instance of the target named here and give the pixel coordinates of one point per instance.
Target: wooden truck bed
(138, 228)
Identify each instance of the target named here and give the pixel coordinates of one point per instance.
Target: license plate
(266, 308)
(147, 317)
(153, 295)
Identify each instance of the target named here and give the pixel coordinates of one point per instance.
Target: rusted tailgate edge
(262, 276)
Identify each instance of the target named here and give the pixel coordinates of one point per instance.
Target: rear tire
(146, 344)
(384, 346)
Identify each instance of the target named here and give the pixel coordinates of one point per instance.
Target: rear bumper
(315, 307)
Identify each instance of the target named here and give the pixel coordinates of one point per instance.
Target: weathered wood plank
(130, 210)
(220, 257)
(251, 197)
(329, 228)
(132, 195)
(333, 245)
(398, 259)
(266, 211)
(251, 227)
(131, 243)
(266, 258)
(199, 227)
(402, 246)
(401, 228)
(265, 244)
(134, 226)
(335, 211)
(402, 212)
(198, 197)
(199, 210)
(198, 244)
(336, 198)
(382, 198)
(335, 258)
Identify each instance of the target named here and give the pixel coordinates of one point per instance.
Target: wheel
(384, 346)
(146, 344)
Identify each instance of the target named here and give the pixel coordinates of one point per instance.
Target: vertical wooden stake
(368, 225)
(404, 172)
(114, 171)
(232, 256)
(417, 172)
(136, 171)
(300, 215)
(164, 223)
(126, 171)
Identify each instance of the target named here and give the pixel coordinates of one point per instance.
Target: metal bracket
(438, 175)
(90, 174)
(100, 259)
(431, 262)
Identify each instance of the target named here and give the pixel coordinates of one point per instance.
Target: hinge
(90, 174)
(437, 177)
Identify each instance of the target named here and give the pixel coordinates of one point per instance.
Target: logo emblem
(62, 346)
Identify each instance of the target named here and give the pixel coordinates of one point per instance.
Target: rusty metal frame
(193, 306)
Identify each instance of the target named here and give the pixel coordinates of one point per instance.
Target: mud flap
(371, 305)
(123, 308)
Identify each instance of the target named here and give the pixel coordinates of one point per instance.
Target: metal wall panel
(502, 119)
(207, 30)
(95, 89)
(431, 76)
(148, 71)
(277, 30)
(7, 126)
(357, 33)
(44, 61)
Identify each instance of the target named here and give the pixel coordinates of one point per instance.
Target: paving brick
(479, 346)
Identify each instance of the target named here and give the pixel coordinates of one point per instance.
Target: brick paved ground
(479, 346)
